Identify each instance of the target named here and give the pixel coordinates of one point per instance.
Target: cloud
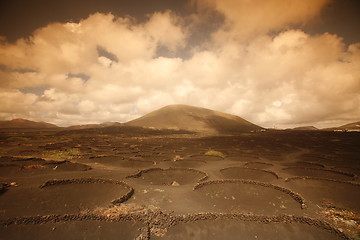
(15, 102)
(59, 47)
(107, 68)
(162, 27)
(246, 19)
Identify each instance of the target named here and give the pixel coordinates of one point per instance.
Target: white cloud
(106, 62)
(288, 78)
(163, 29)
(16, 103)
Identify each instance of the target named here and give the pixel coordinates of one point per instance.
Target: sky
(276, 63)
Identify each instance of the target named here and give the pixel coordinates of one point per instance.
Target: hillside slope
(194, 119)
(23, 123)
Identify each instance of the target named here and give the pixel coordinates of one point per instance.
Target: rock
(175, 184)
(158, 190)
(350, 223)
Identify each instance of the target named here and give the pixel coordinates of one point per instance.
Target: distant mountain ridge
(101, 125)
(196, 119)
(355, 126)
(175, 117)
(24, 123)
(305, 128)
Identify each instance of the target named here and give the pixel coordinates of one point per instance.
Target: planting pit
(353, 170)
(248, 196)
(247, 230)
(305, 164)
(319, 172)
(11, 165)
(169, 176)
(258, 165)
(80, 228)
(314, 157)
(129, 162)
(64, 196)
(134, 163)
(340, 193)
(248, 173)
(186, 163)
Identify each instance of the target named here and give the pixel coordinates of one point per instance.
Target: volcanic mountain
(355, 126)
(195, 119)
(23, 123)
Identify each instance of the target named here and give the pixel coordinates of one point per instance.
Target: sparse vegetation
(65, 154)
(345, 221)
(17, 138)
(177, 158)
(35, 166)
(115, 211)
(215, 153)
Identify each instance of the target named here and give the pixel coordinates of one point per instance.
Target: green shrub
(214, 153)
(68, 153)
(16, 138)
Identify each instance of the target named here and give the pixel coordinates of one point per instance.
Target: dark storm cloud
(20, 18)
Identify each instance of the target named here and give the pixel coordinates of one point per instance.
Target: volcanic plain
(128, 182)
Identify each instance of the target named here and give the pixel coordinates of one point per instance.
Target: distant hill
(305, 128)
(23, 123)
(355, 126)
(194, 119)
(87, 126)
(351, 126)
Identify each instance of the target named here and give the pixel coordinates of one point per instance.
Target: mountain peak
(19, 120)
(198, 119)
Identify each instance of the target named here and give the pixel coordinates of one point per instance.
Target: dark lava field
(119, 183)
